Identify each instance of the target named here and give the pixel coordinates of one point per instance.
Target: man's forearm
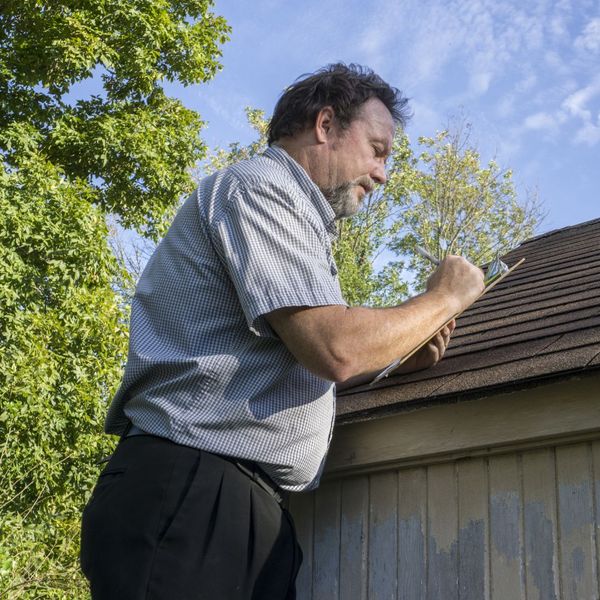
(340, 343)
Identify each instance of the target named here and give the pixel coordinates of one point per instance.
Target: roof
(542, 322)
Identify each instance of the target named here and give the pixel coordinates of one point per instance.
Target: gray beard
(342, 200)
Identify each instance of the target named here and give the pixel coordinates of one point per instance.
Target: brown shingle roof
(541, 322)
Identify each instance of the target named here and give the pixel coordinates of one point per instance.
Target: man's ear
(324, 124)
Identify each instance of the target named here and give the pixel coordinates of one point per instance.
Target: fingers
(458, 279)
(440, 341)
(434, 350)
(437, 346)
(448, 330)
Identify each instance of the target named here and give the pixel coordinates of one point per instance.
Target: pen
(494, 269)
(426, 255)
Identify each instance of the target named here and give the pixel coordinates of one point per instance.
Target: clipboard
(394, 365)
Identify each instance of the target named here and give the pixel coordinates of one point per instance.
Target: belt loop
(254, 472)
(126, 430)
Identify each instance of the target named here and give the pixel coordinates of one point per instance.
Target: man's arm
(345, 344)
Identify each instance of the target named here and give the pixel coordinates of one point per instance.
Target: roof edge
(453, 398)
(558, 230)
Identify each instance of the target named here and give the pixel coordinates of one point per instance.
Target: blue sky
(524, 73)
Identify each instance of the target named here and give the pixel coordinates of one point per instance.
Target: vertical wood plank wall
(523, 525)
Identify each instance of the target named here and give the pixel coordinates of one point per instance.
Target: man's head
(339, 124)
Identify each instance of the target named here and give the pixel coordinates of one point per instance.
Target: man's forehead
(377, 117)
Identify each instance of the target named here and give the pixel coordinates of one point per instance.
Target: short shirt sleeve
(276, 250)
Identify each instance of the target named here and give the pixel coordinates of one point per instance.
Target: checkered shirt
(205, 369)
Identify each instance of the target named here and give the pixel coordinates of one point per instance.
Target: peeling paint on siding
(540, 548)
(472, 542)
(442, 583)
(504, 514)
(412, 573)
(576, 497)
(519, 526)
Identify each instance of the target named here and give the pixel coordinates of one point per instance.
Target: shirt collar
(315, 195)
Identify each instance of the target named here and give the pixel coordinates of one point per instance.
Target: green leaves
(131, 143)
(450, 204)
(61, 348)
(139, 43)
(66, 166)
(361, 242)
(132, 153)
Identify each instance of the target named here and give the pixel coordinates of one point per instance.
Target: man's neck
(303, 152)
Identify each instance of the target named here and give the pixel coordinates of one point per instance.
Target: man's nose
(378, 173)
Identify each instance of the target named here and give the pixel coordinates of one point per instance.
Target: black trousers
(169, 522)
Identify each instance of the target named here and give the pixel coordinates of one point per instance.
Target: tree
(448, 203)
(62, 339)
(131, 142)
(220, 158)
(67, 164)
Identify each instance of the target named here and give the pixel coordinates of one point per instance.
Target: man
(238, 334)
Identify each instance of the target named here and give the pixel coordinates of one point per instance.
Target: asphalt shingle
(542, 322)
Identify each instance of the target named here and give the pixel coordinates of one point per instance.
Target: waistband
(247, 467)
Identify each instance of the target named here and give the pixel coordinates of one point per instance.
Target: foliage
(37, 559)
(62, 342)
(66, 165)
(221, 157)
(448, 203)
(361, 241)
(130, 142)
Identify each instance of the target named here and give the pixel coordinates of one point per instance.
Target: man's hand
(431, 353)
(456, 277)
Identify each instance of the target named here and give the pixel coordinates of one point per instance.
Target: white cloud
(576, 103)
(589, 134)
(505, 107)
(556, 63)
(229, 108)
(480, 82)
(487, 39)
(589, 40)
(580, 105)
(541, 121)
(527, 83)
(576, 108)
(558, 28)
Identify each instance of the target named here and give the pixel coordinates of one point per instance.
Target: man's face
(357, 158)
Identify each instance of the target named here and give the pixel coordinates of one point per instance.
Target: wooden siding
(520, 525)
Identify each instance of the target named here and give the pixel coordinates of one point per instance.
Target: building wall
(490, 523)
(519, 525)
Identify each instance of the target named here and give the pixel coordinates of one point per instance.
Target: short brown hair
(344, 87)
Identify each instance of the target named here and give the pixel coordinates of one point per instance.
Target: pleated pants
(170, 522)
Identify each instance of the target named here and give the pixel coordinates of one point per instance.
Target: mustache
(366, 182)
